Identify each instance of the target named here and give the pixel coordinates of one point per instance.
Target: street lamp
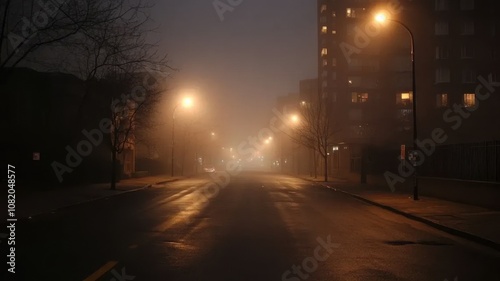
(186, 102)
(382, 18)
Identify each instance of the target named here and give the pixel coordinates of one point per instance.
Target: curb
(97, 198)
(449, 230)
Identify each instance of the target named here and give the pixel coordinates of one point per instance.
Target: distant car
(209, 169)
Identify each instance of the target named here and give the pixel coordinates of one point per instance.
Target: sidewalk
(470, 222)
(33, 202)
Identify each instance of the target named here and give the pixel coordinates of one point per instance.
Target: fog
(239, 64)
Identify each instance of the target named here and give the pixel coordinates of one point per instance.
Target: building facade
(365, 74)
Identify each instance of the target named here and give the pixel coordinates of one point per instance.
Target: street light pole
(173, 141)
(186, 103)
(381, 18)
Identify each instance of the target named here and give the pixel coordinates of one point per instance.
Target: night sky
(240, 64)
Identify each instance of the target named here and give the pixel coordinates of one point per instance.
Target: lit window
(325, 62)
(442, 100)
(324, 29)
(469, 99)
(350, 13)
(355, 12)
(467, 4)
(467, 52)
(442, 75)
(323, 8)
(467, 28)
(324, 52)
(334, 14)
(359, 97)
(404, 98)
(334, 31)
(441, 28)
(468, 76)
(441, 5)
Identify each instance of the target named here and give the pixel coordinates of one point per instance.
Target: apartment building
(365, 74)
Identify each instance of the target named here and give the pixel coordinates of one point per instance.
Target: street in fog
(260, 226)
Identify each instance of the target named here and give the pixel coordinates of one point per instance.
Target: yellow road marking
(100, 272)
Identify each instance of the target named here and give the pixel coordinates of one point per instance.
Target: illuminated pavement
(258, 227)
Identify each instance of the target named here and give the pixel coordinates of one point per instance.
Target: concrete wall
(476, 193)
(470, 192)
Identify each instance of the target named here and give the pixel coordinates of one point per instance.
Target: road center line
(100, 272)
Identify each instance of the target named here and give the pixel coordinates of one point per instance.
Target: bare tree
(104, 42)
(131, 112)
(117, 44)
(116, 53)
(27, 27)
(315, 129)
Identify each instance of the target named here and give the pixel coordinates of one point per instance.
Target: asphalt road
(256, 227)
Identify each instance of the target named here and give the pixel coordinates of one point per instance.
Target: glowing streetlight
(295, 118)
(186, 102)
(382, 18)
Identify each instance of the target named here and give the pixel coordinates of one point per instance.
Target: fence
(470, 161)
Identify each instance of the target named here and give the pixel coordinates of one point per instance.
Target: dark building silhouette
(364, 73)
(42, 123)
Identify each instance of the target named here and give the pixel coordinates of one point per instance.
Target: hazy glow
(187, 102)
(380, 17)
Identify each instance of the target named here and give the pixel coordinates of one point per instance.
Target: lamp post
(381, 18)
(186, 102)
